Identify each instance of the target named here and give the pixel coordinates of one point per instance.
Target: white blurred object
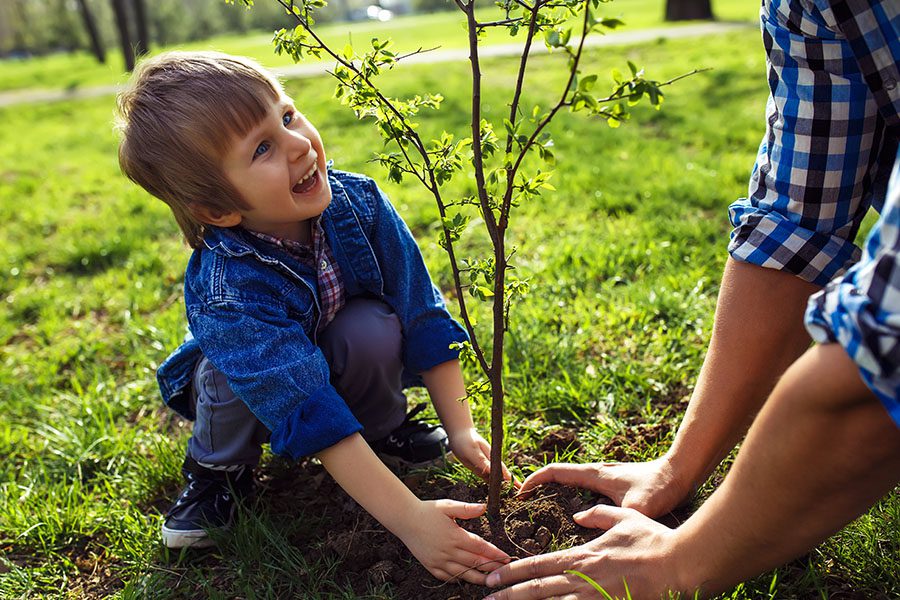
(376, 13)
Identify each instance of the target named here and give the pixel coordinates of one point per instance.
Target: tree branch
(576, 59)
(499, 23)
(520, 78)
(478, 159)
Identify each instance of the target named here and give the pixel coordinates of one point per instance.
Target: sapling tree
(511, 161)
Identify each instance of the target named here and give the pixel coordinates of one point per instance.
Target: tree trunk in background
(91, 26)
(142, 45)
(124, 36)
(686, 10)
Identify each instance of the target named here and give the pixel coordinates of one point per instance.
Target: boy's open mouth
(308, 181)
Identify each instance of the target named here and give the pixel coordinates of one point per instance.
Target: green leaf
(587, 83)
(552, 38)
(611, 23)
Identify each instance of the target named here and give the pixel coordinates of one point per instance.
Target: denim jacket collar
(343, 231)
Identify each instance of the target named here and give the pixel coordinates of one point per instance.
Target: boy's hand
(444, 548)
(474, 452)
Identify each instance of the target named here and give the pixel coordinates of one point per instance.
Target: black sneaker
(208, 501)
(414, 443)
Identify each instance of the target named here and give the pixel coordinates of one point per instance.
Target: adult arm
(822, 450)
(758, 332)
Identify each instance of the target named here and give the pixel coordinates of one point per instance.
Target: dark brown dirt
(371, 555)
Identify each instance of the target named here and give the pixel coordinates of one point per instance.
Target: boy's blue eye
(261, 149)
(287, 118)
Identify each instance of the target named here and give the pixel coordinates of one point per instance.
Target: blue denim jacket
(253, 309)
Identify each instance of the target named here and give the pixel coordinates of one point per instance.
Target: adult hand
(446, 549)
(653, 488)
(474, 452)
(635, 549)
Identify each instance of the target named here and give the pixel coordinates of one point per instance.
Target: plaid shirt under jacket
(330, 286)
(833, 124)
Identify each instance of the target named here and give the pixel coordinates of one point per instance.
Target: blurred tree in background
(29, 27)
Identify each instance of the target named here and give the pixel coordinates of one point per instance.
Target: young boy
(308, 304)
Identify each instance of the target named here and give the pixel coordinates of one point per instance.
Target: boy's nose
(300, 145)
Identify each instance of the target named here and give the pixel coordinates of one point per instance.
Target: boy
(307, 300)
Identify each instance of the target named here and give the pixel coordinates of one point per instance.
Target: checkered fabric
(861, 310)
(833, 118)
(330, 284)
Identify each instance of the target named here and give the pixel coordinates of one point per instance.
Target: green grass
(78, 70)
(624, 261)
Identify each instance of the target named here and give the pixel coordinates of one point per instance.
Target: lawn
(444, 30)
(624, 261)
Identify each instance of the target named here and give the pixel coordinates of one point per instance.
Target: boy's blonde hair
(178, 119)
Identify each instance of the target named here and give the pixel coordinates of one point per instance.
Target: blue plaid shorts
(831, 141)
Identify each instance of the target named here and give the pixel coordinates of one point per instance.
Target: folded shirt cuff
(769, 239)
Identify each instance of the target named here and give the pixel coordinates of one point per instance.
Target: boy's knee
(364, 334)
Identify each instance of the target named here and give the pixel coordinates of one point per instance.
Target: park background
(624, 261)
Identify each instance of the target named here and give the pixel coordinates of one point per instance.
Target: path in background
(434, 56)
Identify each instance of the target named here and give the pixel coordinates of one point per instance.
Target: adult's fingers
(565, 473)
(533, 567)
(602, 516)
(555, 586)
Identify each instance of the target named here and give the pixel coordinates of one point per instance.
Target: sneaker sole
(175, 538)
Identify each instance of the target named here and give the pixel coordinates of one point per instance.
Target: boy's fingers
(483, 466)
(451, 571)
(480, 546)
(467, 574)
(477, 561)
(460, 510)
(508, 476)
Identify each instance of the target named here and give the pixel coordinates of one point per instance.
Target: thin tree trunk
(687, 10)
(96, 43)
(124, 35)
(142, 45)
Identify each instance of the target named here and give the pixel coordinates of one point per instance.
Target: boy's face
(279, 170)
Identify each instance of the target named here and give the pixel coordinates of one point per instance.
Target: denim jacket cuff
(322, 420)
(428, 344)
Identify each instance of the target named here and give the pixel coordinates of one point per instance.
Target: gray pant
(362, 346)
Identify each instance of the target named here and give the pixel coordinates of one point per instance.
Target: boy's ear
(212, 216)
